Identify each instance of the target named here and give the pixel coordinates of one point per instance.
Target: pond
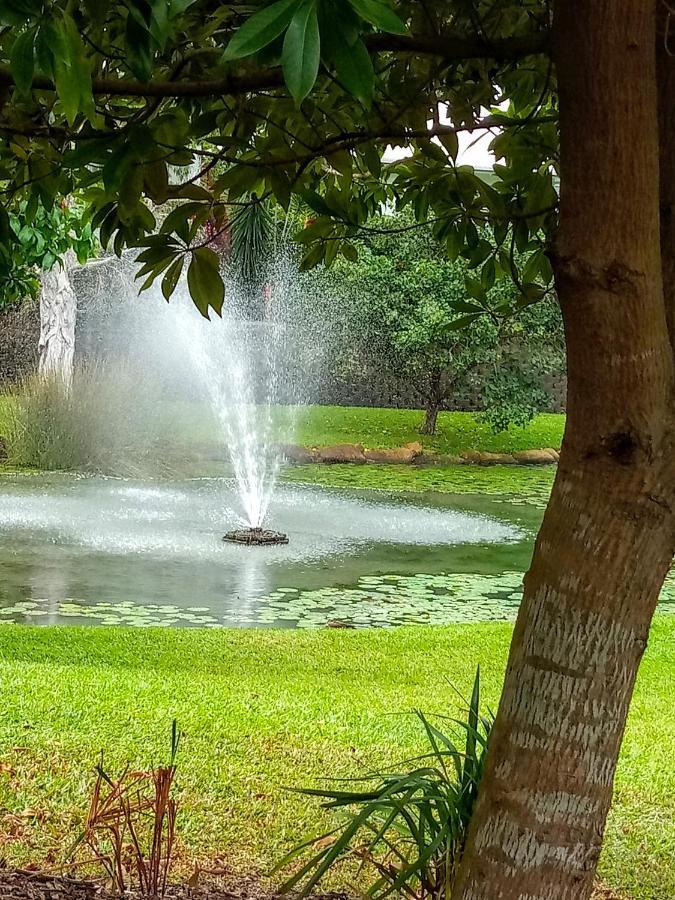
(91, 550)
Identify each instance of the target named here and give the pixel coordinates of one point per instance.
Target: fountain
(238, 362)
(255, 535)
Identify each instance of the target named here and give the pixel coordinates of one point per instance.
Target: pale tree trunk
(608, 534)
(58, 314)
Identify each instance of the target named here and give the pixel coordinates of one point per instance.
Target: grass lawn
(456, 431)
(263, 709)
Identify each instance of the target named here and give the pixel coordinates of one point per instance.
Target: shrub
(131, 826)
(103, 422)
(411, 826)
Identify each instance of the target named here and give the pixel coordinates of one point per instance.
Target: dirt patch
(604, 893)
(23, 885)
(414, 453)
(38, 886)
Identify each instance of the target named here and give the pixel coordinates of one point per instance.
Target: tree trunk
(608, 534)
(665, 47)
(430, 417)
(434, 397)
(58, 314)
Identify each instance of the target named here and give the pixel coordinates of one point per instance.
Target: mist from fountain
(242, 364)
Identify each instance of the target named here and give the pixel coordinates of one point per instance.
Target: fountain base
(255, 536)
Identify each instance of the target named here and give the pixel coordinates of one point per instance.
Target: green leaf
(312, 257)
(380, 15)
(204, 282)
(531, 293)
(188, 192)
(261, 29)
(22, 61)
(354, 68)
(138, 51)
(450, 142)
(301, 53)
(72, 75)
(372, 159)
(156, 180)
(462, 322)
(341, 161)
(317, 203)
(170, 280)
(464, 306)
(475, 289)
(533, 265)
(349, 252)
(44, 51)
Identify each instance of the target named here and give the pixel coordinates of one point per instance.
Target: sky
(473, 147)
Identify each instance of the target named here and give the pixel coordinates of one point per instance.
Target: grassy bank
(262, 709)
(185, 427)
(456, 431)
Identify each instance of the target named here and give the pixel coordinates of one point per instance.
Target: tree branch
(453, 48)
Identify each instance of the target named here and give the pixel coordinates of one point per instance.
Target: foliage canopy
(296, 97)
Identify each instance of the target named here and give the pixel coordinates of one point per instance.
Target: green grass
(456, 431)
(264, 709)
(6, 403)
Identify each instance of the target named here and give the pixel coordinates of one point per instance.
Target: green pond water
(432, 547)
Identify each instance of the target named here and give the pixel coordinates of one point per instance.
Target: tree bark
(58, 315)
(665, 50)
(430, 417)
(608, 534)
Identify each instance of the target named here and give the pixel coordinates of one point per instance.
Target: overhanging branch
(453, 48)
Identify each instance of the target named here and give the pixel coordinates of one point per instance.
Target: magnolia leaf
(301, 53)
(317, 203)
(475, 289)
(354, 68)
(71, 69)
(156, 181)
(451, 143)
(261, 29)
(170, 280)
(464, 306)
(462, 322)
(204, 281)
(379, 14)
(44, 51)
(138, 51)
(372, 159)
(312, 257)
(22, 61)
(349, 252)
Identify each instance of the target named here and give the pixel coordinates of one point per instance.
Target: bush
(411, 827)
(101, 423)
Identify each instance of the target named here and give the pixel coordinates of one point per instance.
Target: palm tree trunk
(608, 534)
